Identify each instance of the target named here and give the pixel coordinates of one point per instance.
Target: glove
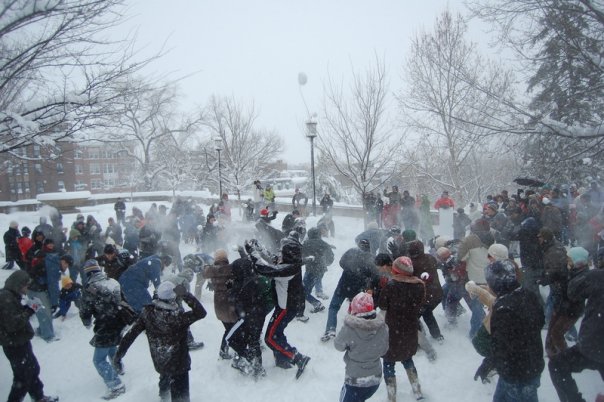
(424, 276)
(180, 290)
(392, 248)
(53, 309)
(34, 303)
(483, 371)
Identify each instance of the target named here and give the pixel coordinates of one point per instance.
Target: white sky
(254, 50)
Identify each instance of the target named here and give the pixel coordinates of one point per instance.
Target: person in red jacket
(25, 242)
(444, 201)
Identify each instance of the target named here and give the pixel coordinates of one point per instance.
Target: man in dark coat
(359, 274)
(167, 325)
(136, 279)
(101, 299)
(120, 211)
(516, 324)
(288, 292)
(15, 337)
(531, 254)
(11, 246)
(322, 257)
(111, 264)
(269, 236)
(588, 352)
(289, 220)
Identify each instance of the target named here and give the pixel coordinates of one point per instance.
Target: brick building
(68, 166)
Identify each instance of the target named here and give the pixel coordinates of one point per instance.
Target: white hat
(165, 291)
(499, 252)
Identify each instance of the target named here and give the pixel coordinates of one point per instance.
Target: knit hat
(13, 224)
(578, 255)
(361, 305)
(91, 266)
(501, 277)
(493, 206)
(364, 245)
(416, 249)
(165, 291)
(499, 252)
(402, 266)
(66, 281)
(409, 235)
(264, 212)
(80, 218)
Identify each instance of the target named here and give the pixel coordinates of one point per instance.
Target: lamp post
(311, 133)
(218, 147)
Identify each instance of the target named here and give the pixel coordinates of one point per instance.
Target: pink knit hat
(402, 266)
(361, 304)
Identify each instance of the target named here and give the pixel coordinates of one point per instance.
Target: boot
(417, 389)
(300, 361)
(391, 388)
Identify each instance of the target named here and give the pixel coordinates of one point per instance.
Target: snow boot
(224, 354)
(301, 361)
(114, 392)
(196, 345)
(391, 388)
(302, 318)
(49, 399)
(242, 365)
(329, 335)
(322, 296)
(417, 389)
(318, 308)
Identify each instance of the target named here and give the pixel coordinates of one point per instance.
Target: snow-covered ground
(67, 369)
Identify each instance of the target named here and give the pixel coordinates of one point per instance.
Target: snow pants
(26, 371)
(176, 385)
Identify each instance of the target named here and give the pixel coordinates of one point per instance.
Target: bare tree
(147, 114)
(246, 150)
(57, 69)
(441, 100)
(357, 139)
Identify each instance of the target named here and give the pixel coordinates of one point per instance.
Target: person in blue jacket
(135, 280)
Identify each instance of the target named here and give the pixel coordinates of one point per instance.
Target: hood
(16, 281)
(365, 327)
(415, 249)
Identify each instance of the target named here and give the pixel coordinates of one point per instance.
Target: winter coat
(101, 299)
(460, 223)
(531, 253)
(11, 245)
(299, 200)
(135, 281)
(551, 217)
(287, 287)
(115, 232)
(402, 299)
(288, 223)
(268, 236)
(112, 268)
(473, 251)
(53, 276)
(359, 272)
(25, 244)
(555, 272)
(148, 240)
(364, 340)
(589, 285)
(320, 250)
(427, 263)
(516, 324)
(221, 274)
(44, 228)
(131, 238)
(15, 328)
(246, 291)
(166, 324)
(444, 203)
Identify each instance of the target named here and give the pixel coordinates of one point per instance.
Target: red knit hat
(264, 212)
(361, 304)
(402, 266)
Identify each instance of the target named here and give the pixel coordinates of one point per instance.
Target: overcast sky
(254, 50)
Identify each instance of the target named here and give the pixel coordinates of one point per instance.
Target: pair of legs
(102, 362)
(174, 385)
(516, 392)
(351, 393)
(244, 338)
(275, 337)
(427, 313)
(45, 328)
(26, 371)
(559, 325)
(311, 280)
(562, 365)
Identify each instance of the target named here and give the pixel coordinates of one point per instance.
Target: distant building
(68, 166)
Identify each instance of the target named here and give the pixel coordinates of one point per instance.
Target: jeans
(334, 306)
(101, 360)
(523, 392)
(26, 371)
(309, 281)
(562, 365)
(45, 328)
(477, 315)
(350, 393)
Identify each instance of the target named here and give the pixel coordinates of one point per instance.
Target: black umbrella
(528, 181)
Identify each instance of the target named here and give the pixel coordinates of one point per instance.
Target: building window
(79, 169)
(39, 187)
(80, 185)
(108, 168)
(17, 170)
(25, 168)
(96, 184)
(95, 168)
(36, 151)
(61, 185)
(38, 168)
(78, 154)
(19, 188)
(93, 153)
(27, 191)
(60, 169)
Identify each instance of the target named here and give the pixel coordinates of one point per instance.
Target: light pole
(218, 147)
(311, 133)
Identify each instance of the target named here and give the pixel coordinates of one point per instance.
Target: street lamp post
(218, 144)
(311, 133)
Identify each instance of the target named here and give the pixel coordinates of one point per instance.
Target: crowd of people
(503, 250)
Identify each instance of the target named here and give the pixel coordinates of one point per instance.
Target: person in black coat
(11, 246)
(359, 274)
(101, 300)
(269, 236)
(588, 352)
(120, 211)
(289, 221)
(516, 324)
(322, 257)
(531, 254)
(16, 333)
(167, 325)
(326, 203)
(288, 292)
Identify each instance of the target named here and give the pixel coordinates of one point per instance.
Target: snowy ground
(67, 369)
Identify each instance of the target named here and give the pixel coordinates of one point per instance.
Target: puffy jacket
(221, 274)
(320, 250)
(136, 279)
(359, 272)
(11, 245)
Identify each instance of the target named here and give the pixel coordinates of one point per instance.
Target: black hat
(109, 249)
(68, 259)
(364, 245)
(25, 230)
(501, 277)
